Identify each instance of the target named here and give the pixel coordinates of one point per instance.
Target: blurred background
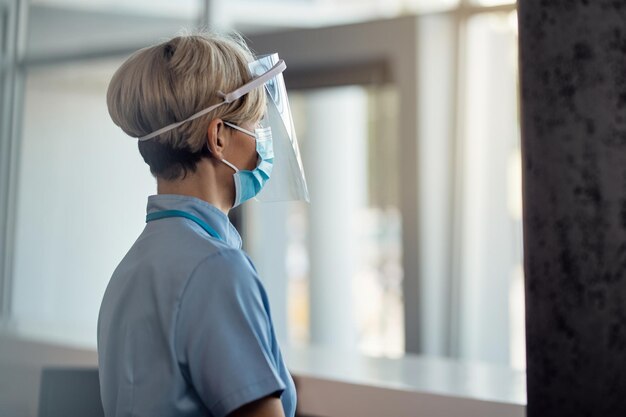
(407, 116)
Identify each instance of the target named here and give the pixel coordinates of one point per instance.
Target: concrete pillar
(573, 79)
(336, 132)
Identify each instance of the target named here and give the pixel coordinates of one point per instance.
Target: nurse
(185, 327)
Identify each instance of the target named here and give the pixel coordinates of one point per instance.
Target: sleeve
(224, 334)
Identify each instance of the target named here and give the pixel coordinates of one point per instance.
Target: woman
(184, 326)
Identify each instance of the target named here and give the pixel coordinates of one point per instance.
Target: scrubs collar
(201, 209)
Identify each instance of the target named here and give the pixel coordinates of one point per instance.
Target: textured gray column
(573, 75)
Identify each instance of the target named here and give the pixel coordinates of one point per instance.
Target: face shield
(287, 181)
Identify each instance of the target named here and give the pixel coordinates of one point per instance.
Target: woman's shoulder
(226, 268)
(225, 281)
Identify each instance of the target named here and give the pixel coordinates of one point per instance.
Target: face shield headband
(256, 82)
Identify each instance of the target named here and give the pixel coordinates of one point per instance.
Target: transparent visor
(287, 181)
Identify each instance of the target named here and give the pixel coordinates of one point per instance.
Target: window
(470, 287)
(342, 253)
(448, 206)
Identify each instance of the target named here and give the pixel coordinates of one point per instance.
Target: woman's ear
(216, 138)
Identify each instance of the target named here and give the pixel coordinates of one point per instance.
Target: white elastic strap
(255, 83)
(241, 129)
(230, 165)
(175, 125)
(228, 98)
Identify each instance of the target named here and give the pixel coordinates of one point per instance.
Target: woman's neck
(202, 184)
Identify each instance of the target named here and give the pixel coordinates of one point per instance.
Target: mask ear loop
(241, 129)
(228, 98)
(230, 165)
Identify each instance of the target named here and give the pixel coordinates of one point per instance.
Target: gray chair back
(70, 392)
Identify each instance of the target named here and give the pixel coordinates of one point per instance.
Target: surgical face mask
(250, 183)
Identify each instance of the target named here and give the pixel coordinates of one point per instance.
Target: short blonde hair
(168, 82)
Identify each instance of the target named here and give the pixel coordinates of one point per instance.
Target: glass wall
(353, 223)
(342, 252)
(333, 268)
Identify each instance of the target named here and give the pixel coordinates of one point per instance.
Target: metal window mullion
(11, 115)
(6, 70)
(7, 11)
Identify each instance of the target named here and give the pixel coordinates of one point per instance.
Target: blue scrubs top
(184, 326)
